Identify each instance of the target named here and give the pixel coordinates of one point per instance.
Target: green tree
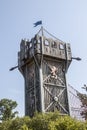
(6, 109)
(48, 121)
(20, 123)
(24, 127)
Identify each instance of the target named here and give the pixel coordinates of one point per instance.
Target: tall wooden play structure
(43, 61)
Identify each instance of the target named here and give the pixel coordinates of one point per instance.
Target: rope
(49, 34)
(53, 35)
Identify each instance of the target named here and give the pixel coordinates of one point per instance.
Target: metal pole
(41, 77)
(41, 88)
(67, 90)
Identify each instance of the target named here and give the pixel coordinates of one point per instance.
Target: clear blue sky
(66, 19)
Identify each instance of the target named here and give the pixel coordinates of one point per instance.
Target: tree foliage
(6, 109)
(49, 121)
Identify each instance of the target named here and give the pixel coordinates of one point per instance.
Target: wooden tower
(43, 62)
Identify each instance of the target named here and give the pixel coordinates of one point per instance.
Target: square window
(46, 43)
(61, 46)
(53, 44)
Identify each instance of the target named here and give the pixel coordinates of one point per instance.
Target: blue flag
(37, 23)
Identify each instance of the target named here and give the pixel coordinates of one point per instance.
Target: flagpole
(42, 31)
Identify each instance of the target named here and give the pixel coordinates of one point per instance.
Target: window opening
(46, 43)
(61, 46)
(35, 41)
(30, 45)
(39, 41)
(54, 44)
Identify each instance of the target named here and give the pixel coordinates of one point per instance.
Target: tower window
(54, 44)
(39, 41)
(46, 43)
(61, 46)
(35, 41)
(30, 45)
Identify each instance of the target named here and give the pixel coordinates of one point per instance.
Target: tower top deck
(48, 46)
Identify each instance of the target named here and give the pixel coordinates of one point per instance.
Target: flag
(37, 23)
